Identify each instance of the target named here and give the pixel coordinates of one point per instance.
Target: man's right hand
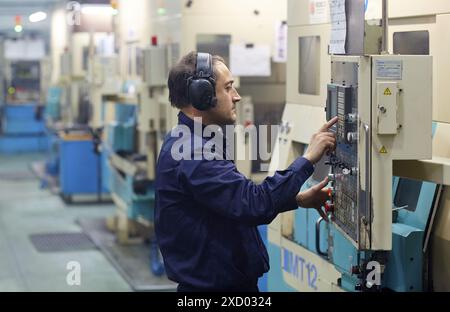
(321, 142)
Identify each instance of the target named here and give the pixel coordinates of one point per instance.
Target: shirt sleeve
(219, 186)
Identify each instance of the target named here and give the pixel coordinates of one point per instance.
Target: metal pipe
(385, 26)
(368, 171)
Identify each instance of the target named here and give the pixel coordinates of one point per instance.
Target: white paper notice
(24, 49)
(14, 49)
(280, 55)
(318, 11)
(250, 61)
(338, 26)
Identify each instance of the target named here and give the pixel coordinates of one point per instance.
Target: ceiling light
(37, 17)
(93, 9)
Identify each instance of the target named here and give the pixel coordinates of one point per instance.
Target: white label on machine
(389, 69)
(250, 60)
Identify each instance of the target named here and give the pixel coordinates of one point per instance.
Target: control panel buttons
(352, 137)
(352, 118)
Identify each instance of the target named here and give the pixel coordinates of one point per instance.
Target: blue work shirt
(206, 214)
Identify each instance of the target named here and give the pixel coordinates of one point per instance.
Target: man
(206, 211)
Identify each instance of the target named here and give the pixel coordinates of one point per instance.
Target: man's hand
(321, 142)
(315, 197)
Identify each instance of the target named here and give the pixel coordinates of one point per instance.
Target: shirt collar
(183, 119)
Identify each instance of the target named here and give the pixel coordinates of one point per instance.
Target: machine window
(309, 65)
(408, 192)
(412, 42)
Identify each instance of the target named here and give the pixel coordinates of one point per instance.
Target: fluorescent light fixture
(18, 28)
(96, 9)
(37, 17)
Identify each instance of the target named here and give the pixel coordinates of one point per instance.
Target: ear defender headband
(201, 87)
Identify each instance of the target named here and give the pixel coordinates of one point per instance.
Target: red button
(329, 207)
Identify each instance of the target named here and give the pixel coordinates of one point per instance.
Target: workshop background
(84, 109)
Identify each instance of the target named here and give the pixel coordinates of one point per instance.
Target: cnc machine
(384, 108)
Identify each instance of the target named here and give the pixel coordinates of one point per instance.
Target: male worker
(206, 211)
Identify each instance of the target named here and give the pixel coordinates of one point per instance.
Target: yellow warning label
(387, 92)
(383, 150)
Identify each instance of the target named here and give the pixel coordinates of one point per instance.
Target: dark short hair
(179, 75)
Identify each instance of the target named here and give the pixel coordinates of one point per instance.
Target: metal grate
(56, 242)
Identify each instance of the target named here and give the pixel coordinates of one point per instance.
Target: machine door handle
(400, 208)
(323, 254)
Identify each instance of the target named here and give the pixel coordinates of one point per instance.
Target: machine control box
(383, 104)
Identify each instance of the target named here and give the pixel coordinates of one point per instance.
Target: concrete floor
(27, 209)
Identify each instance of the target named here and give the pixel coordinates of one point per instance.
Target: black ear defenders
(202, 87)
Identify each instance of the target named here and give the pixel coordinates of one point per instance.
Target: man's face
(224, 113)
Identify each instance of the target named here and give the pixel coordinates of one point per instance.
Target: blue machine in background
(75, 161)
(23, 129)
(53, 105)
(121, 131)
(22, 116)
(130, 188)
(80, 165)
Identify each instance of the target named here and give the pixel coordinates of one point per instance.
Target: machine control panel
(342, 102)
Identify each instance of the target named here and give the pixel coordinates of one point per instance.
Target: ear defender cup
(201, 93)
(201, 87)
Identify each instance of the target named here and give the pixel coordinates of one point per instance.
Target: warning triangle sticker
(383, 150)
(387, 92)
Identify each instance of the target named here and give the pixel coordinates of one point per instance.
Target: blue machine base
(24, 144)
(24, 127)
(79, 168)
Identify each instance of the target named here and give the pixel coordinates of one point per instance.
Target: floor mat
(132, 261)
(60, 242)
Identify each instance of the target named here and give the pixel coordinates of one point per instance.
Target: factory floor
(25, 209)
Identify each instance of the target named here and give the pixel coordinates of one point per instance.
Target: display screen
(332, 102)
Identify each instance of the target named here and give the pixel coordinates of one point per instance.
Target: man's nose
(236, 98)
